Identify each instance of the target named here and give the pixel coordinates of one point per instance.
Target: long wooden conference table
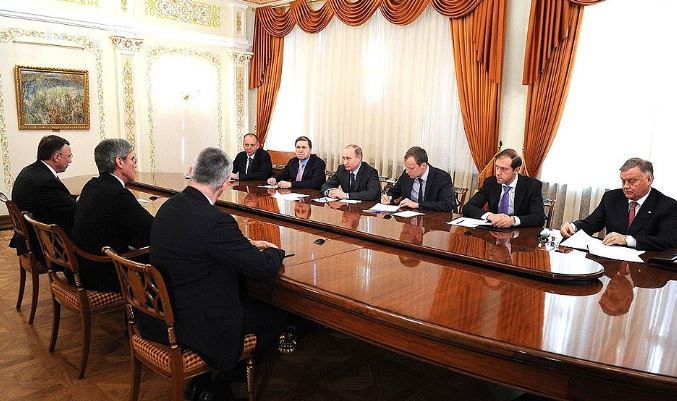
(500, 306)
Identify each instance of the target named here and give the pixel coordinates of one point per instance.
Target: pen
(289, 254)
(460, 221)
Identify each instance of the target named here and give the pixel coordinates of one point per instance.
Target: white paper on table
(350, 201)
(291, 196)
(326, 199)
(142, 200)
(268, 186)
(580, 240)
(468, 222)
(616, 252)
(380, 207)
(407, 213)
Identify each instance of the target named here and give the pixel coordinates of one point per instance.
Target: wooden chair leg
(177, 387)
(22, 286)
(35, 281)
(86, 335)
(136, 379)
(250, 379)
(56, 318)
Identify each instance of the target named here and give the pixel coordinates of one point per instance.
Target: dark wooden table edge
(573, 279)
(433, 344)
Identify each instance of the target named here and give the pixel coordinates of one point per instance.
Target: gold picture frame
(51, 98)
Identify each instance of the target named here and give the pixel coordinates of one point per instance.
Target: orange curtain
(552, 37)
(478, 40)
(481, 49)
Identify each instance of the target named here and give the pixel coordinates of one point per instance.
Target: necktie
(504, 205)
(421, 195)
(249, 163)
(415, 189)
(299, 175)
(352, 182)
(631, 213)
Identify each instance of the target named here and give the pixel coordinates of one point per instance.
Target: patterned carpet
(327, 366)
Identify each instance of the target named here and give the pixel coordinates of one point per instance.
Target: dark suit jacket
(528, 201)
(38, 191)
(313, 175)
(654, 227)
(438, 195)
(368, 185)
(108, 214)
(261, 168)
(200, 250)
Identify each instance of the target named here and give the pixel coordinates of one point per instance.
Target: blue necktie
(504, 205)
(352, 181)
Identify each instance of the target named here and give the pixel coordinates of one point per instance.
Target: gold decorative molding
(239, 25)
(240, 58)
(187, 11)
(239, 103)
(4, 142)
(94, 3)
(128, 94)
(123, 5)
(151, 56)
(131, 45)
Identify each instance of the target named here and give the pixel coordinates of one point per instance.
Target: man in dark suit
(38, 190)
(305, 171)
(354, 179)
(514, 199)
(253, 163)
(109, 214)
(201, 251)
(635, 215)
(421, 186)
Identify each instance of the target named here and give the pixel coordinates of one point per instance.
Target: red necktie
(631, 213)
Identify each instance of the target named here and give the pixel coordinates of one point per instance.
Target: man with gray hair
(635, 215)
(201, 253)
(109, 214)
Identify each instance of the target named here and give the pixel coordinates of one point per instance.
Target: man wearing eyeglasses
(38, 190)
(109, 214)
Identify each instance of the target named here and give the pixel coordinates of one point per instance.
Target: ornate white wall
(170, 77)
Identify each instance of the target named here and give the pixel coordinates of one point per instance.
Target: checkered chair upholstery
(144, 291)
(60, 251)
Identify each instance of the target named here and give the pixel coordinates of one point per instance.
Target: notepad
(407, 213)
(468, 222)
(351, 201)
(268, 186)
(380, 207)
(325, 199)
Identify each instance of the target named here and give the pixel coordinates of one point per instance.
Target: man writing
(636, 215)
(421, 186)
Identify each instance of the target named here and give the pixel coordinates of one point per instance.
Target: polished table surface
(612, 337)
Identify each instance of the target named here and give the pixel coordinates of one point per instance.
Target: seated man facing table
(354, 179)
(201, 253)
(305, 171)
(38, 190)
(636, 215)
(513, 199)
(108, 214)
(253, 163)
(421, 186)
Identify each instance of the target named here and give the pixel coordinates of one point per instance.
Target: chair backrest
(18, 222)
(59, 250)
(280, 158)
(460, 193)
(549, 208)
(144, 290)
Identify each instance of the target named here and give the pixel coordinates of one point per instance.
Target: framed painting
(51, 98)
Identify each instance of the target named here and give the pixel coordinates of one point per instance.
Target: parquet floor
(327, 366)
